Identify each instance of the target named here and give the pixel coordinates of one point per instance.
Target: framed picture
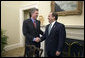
(67, 7)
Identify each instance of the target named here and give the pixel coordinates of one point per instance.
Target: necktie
(49, 29)
(34, 24)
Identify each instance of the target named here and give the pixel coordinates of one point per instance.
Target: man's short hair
(54, 14)
(32, 10)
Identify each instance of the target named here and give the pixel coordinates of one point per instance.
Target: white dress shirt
(52, 24)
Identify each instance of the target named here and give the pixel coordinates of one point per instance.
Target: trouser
(52, 54)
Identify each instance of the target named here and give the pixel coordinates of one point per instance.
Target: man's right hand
(37, 39)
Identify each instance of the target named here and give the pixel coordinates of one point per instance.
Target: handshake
(37, 39)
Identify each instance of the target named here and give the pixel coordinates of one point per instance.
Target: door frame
(22, 39)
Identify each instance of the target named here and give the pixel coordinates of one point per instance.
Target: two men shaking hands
(37, 39)
(54, 34)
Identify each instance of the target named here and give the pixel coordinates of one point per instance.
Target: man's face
(35, 14)
(50, 18)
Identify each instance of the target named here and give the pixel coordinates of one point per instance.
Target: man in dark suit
(31, 30)
(54, 36)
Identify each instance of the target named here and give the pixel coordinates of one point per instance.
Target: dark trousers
(26, 51)
(52, 54)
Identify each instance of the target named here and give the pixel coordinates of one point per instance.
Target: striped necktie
(49, 29)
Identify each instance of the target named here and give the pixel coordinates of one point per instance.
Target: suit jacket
(30, 32)
(55, 40)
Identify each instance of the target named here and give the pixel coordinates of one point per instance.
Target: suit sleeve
(41, 32)
(25, 32)
(62, 36)
(44, 35)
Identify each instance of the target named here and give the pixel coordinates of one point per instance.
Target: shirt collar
(33, 20)
(53, 23)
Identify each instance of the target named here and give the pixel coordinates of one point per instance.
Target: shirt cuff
(34, 39)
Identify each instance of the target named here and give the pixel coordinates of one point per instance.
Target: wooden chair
(32, 50)
(76, 49)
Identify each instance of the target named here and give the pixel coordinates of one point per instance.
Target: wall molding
(13, 46)
(75, 26)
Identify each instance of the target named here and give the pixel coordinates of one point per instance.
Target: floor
(18, 52)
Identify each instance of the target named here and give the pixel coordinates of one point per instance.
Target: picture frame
(75, 9)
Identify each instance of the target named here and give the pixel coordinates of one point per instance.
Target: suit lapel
(31, 23)
(47, 29)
